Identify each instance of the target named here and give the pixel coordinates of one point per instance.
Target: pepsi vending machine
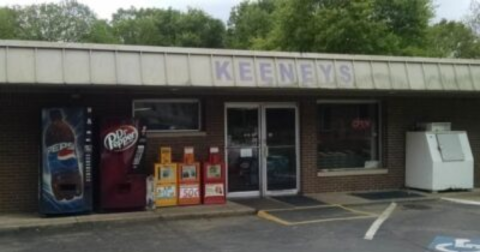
(65, 176)
(122, 173)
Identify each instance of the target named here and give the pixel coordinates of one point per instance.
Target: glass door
(261, 149)
(243, 150)
(280, 149)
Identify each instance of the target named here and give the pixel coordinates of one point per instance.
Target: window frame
(380, 138)
(167, 100)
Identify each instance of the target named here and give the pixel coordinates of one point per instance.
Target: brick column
(308, 145)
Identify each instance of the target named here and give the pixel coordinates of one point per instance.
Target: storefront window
(168, 115)
(348, 135)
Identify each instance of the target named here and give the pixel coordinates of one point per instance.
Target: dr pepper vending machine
(65, 176)
(122, 172)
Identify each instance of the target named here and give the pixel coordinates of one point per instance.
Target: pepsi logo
(121, 138)
(66, 154)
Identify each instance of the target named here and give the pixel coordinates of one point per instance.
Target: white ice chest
(437, 161)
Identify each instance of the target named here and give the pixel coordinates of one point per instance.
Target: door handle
(265, 151)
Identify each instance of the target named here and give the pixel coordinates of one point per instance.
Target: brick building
(286, 123)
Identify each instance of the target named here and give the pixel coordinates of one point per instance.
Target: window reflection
(168, 115)
(347, 136)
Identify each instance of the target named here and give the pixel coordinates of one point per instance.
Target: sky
(449, 9)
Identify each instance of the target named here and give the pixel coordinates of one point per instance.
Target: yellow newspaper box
(166, 179)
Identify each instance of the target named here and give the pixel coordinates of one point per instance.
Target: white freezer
(437, 161)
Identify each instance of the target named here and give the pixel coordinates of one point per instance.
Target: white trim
(350, 172)
(168, 100)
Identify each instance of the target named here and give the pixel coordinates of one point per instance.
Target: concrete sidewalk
(14, 222)
(28, 221)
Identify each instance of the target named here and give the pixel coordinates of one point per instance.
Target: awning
(28, 62)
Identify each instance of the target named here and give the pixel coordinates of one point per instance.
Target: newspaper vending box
(189, 179)
(214, 179)
(166, 179)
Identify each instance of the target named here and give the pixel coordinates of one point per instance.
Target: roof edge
(225, 52)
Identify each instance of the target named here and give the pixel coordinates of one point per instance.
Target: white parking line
(378, 222)
(463, 201)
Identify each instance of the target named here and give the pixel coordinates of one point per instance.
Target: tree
(249, 23)
(453, 40)
(101, 32)
(408, 20)
(197, 29)
(168, 28)
(473, 19)
(396, 27)
(8, 23)
(138, 26)
(334, 26)
(67, 21)
(352, 28)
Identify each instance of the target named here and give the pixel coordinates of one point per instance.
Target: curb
(116, 218)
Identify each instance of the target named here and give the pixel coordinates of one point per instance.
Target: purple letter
(346, 74)
(266, 72)
(307, 73)
(326, 72)
(245, 71)
(222, 70)
(287, 72)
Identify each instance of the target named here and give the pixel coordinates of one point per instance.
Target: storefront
(285, 123)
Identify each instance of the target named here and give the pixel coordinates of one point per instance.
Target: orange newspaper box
(166, 179)
(189, 179)
(214, 179)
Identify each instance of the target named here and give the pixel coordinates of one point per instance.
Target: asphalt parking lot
(413, 226)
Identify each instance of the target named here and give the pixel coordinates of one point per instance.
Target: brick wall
(399, 115)
(20, 135)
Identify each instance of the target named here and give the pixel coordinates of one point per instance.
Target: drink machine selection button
(189, 179)
(166, 179)
(214, 179)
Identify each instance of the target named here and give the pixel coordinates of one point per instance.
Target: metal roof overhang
(49, 63)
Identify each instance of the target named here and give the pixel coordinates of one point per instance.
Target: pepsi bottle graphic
(62, 161)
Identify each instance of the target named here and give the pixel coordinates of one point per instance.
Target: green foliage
(102, 33)
(70, 21)
(341, 26)
(454, 40)
(351, 28)
(8, 23)
(135, 27)
(168, 28)
(389, 27)
(249, 24)
(67, 21)
(407, 19)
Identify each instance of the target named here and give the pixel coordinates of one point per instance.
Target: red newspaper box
(189, 179)
(214, 179)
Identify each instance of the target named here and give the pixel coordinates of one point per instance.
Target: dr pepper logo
(121, 138)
